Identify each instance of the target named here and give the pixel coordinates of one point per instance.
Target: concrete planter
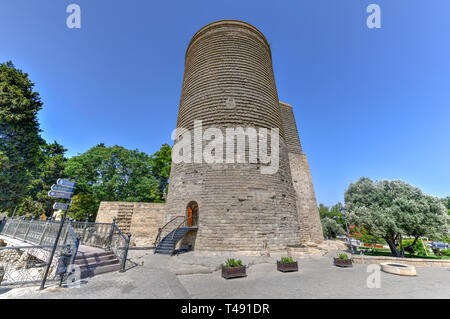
(234, 272)
(398, 269)
(343, 262)
(287, 267)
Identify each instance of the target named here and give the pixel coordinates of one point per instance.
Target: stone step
(92, 271)
(93, 254)
(166, 252)
(99, 264)
(94, 259)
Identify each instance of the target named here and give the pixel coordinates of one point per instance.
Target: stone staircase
(124, 217)
(94, 261)
(168, 243)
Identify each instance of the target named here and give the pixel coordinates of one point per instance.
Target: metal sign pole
(61, 225)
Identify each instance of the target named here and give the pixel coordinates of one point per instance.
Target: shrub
(445, 252)
(286, 260)
(343, 256)
(417, 249)
(233, 263)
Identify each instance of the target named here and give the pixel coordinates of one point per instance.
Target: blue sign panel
(60, 194)
(60, 206)
(65, 182)
(62, 188)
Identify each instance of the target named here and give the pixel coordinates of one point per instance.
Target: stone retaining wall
(142, 220)
(418, 262)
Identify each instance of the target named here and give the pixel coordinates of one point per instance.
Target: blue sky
(368, 102)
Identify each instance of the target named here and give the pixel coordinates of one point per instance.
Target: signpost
(60, 194)
(66, 183)
(60, 206)
(63, 189)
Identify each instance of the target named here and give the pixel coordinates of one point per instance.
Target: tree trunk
(410, 247)
(391, 242)
(402, 250)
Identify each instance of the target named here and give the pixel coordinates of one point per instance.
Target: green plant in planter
(231, 262)
(286, 260)
(343, 256)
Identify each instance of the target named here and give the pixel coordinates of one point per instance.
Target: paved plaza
(193, 275)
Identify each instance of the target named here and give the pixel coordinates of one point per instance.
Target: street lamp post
(346, 226)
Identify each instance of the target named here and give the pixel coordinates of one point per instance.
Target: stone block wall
(142, 220)
(308, 213)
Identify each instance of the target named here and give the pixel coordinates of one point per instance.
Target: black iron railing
(38, 232)
(168, 227)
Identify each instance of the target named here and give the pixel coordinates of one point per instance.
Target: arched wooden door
(192, 214)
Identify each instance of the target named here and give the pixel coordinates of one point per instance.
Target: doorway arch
(192, 214)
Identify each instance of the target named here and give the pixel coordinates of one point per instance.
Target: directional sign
(60, 206)
(60, 194)
(62, 188)
(65, 182)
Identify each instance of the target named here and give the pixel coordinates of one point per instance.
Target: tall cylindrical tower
(229, 83)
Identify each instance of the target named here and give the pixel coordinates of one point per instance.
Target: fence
(27, 263)
(42, 234)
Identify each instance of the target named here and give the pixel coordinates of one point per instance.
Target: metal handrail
(120, 232)
(127, 242)
(158, 239)
(175, 230)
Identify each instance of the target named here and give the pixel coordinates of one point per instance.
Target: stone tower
(308, 213)
(229, 83)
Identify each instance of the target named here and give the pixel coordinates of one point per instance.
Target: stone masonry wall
(142, 220)
(308, 213)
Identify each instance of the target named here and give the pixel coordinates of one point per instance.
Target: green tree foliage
(392, 209)
(52, 163)
(417, 248)
(30, 208)
(334, 213)
(114, 174)
(160, 163)
(19, 134)
(446, 202)
(331, 228)
(84, 206)
(362, 234)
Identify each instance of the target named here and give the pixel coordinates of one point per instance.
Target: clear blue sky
(368, 102)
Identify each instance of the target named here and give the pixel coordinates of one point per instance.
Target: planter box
(343, 262)
(285, 267)
(234, 272)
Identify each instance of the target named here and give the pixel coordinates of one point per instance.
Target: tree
(114, 174)
(160, 163)
(331, 228)
(333, 213)
(30, 208)
(51, 167)
(446, 202)
(83, 206)
(393, 209)
(20, 138)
